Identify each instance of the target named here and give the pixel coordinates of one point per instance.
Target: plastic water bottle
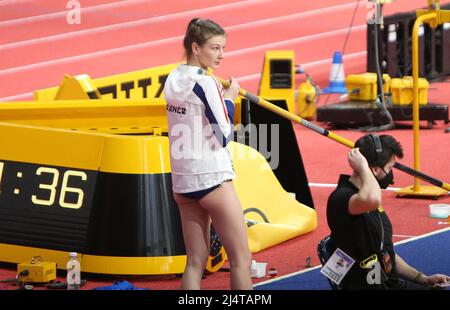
(73, 272)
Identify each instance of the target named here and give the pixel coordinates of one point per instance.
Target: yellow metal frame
(80, 87)
(101, 116)
(107, 152)
(99, 264)
(133, 77)
(433, 16)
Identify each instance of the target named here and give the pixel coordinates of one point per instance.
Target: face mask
(387, 180)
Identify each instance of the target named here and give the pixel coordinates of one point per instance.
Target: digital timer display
(42, 186)
(42, 205)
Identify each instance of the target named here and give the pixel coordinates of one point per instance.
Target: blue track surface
(430, 255)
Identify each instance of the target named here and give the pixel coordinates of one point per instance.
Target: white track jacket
(200, 126)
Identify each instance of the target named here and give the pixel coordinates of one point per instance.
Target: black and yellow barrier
(140, 84)
(94, 177)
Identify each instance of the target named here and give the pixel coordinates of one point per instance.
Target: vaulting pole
(285, 114)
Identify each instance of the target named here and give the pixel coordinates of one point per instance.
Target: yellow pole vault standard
(433, 16)
(283, 113)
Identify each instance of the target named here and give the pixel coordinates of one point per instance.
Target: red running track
(249, 37)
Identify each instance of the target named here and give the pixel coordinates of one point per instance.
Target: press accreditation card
(337, 266)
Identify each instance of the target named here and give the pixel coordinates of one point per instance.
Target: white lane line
(403, 236)
(30, 19)
(307, 65)
(326, 185)
(241, 78)
(20, 97)
(148, 44)
(296, 16)
(145, 21)
(332, 185)
(320, 266)
(301, 39)
(288, 275)
(423, 236)
(123, 25)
